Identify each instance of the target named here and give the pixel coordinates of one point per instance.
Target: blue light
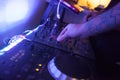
(1, 52)
(14, 13)
(17, 39)
(7, 48)
(16, 10)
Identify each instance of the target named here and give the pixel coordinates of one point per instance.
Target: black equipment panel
(29, 58)
(25, 61)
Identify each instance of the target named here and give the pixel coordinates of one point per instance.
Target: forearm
(104, 22)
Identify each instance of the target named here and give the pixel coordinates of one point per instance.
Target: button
(37, 69)
(40, 65)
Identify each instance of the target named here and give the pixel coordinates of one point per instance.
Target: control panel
(47, 34)
(28, 59)
(27, 56)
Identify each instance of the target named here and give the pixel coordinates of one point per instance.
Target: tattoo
(104, 22)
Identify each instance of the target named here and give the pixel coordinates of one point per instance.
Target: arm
(104, 22)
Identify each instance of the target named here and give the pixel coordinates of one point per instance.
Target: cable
(58, 8)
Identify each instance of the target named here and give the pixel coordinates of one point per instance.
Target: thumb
(61, 37)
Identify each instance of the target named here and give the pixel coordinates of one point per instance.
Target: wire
(58, 8)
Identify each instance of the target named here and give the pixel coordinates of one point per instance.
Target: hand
(70, 31)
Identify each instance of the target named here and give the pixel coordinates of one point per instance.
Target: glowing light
(91, 4)
(1, 16)
(16, 10)
(13, 43)
(40, 65)
(1, 52)
(96, 3)
(37, 69)
(11, 46)
(54, 71)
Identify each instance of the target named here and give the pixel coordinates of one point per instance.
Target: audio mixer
(27, 56)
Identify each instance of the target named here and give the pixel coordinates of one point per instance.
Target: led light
(40, 65)
(37, 69)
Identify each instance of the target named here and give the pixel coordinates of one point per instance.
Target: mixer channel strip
(71, 46)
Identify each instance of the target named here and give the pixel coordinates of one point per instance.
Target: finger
(63, 31)
(62, 35)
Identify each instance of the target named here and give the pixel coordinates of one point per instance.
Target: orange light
(37, 69)
(91, 4)
(40, 65)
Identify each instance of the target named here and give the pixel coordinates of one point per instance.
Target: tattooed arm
(104, 22)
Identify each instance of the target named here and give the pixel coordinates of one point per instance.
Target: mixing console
(27, 56)
(25, 61)
(28, 59)
(47, 35)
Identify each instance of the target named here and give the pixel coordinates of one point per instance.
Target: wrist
(83, 32)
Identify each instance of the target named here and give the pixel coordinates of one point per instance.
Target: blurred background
(16, 16)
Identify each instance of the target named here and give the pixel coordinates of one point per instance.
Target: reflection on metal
(18, 40)
(57, 74)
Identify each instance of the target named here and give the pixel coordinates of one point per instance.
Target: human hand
(70, 31)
